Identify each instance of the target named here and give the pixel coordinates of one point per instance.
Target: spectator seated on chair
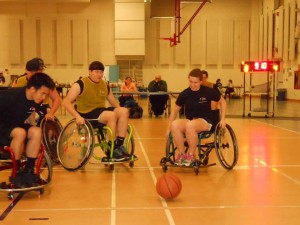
(127, 86)
(158, 102)
(229, 90)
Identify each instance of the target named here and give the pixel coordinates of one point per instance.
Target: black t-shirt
(198, 103)
(15, 108)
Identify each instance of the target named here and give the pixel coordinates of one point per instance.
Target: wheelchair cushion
(206, 134)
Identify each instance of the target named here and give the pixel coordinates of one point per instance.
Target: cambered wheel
(112, 167)
(129, 141)
(75, 145)
(46, 170)
(226, 146)
(51, 130)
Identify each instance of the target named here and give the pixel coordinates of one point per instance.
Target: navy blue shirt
(15, 108)
(198, 103)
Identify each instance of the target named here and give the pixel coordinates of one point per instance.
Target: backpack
(135, 112)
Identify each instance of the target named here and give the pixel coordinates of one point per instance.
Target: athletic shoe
(119, 155)
(18, 181)
(124, 151)
(31, 179)
(189, 160)
(180, 159)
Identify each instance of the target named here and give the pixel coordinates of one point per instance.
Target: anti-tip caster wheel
(165, 168)
(131, 164)
(112, 167)
(10, 195)
(196, 170)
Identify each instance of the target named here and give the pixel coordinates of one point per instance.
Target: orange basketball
(168, 186)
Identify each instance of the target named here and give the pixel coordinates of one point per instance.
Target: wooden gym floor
(263, 188)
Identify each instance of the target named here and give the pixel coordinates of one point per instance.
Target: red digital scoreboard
(260, 66)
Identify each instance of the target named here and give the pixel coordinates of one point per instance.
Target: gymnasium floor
(264, 187)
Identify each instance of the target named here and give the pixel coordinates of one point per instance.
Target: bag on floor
(135, 112)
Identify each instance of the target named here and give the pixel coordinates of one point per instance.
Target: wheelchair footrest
(110, 161)
(166, 160)
(8, 187)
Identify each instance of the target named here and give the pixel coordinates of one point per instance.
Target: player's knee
(35, 132)
(19, 133)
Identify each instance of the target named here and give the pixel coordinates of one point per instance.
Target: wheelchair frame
(220, 144)
(167, 108)
(85, 142)
(43, 168)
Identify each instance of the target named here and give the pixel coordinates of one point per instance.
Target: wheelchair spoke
(75, 145)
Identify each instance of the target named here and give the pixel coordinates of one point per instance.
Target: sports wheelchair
(76, 144)
(43, 167)
(166, 107)
(224, 142)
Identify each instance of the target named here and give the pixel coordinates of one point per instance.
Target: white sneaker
(189, 160)
(180, 159)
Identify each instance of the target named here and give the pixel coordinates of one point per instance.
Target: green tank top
(22, 81)
(92, 96)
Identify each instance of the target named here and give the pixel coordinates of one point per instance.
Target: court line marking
(158, 208)
(273, 167)
(163, 201)
(11, 206)
(113, 199)
(272, 125)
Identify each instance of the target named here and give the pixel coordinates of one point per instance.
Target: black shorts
(5, 131)
(94, 114)
(213, 120)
